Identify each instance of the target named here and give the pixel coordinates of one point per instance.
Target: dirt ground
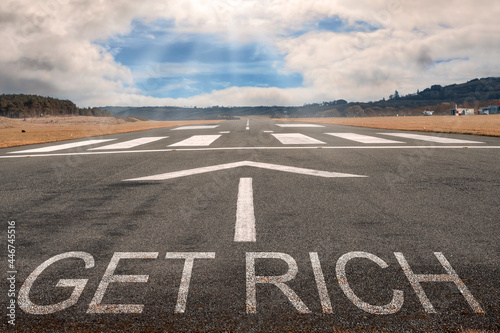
(488, 125)
(50, 129)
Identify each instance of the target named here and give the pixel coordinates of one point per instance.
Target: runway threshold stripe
(296, 139)
(130, 144)
(298, 125)
(195, 127)
(429, 138)
(61, 147)
(362, 138)
(197, 140)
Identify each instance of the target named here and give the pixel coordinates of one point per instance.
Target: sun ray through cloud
(244, 52)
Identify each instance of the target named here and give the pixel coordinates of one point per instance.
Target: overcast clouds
(242, 52)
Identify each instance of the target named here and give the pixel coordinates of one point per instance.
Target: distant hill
(180, 113)
(475, 93)
(20, 106)
(471, 91)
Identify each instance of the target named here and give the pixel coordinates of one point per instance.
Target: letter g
(79, 284)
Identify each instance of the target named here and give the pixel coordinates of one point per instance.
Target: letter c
(397, 298)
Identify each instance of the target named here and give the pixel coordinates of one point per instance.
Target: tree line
(23, 106)
(475, 93)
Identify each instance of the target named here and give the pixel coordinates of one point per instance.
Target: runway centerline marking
(62, 146)
(429, 138)
(296, 139)
(130, 144)
(197, 140)
(244, 230)
(362, 138)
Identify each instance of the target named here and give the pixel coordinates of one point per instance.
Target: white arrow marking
(244, 230)
(276, 167)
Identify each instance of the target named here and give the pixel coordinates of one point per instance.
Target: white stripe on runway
(245, 217)
(299, 125)
(61, 147)
(362, 138)
(130, 143)
(194, 127)
(430, 138)
(456, 147)
(248, 124)
(197, 140)
(224, 132)
(296, 139)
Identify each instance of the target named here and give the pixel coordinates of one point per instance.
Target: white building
(462, 112)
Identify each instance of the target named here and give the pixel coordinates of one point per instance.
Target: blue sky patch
(336, 24)
(168, 64)
(184, 86)
(440, 61)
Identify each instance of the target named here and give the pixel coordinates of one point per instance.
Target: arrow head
(276, 167)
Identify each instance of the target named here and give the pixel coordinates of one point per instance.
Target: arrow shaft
(245, 216)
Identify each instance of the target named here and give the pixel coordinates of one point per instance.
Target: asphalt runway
(249, 226)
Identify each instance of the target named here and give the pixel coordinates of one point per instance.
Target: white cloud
(410, 51)
(49, 46)
(233, 96)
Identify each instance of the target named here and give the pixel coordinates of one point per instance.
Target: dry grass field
(50, 129)
(488, 125)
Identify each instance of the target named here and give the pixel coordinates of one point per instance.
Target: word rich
(252, 280)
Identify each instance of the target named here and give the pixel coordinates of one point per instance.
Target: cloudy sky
(242, 52)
